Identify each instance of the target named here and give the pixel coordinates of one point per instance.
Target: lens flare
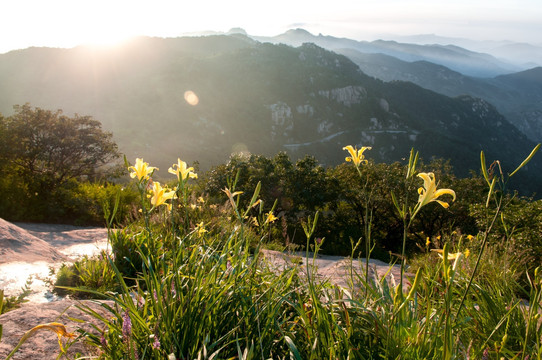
(191, 97)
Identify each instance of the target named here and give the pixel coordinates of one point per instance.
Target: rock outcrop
(17, 244)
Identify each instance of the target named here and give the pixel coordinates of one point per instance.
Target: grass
(187, 287)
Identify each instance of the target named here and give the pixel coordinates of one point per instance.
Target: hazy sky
(66, 23)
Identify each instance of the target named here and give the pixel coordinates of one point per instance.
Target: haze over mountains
(260, 96)
(513, 84)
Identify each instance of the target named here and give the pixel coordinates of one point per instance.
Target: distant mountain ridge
(522, 54)
(454, 57)
(450, 69)
(255, 97)
(492, 57)
(518, 96)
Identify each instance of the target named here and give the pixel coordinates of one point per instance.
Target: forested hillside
(258, 98)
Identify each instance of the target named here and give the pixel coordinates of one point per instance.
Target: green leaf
(484, 167)
(315, 221)
(412, 161)
(293, 348)
(526, 160)
(256, 193)
(254, 198)
(491, 187)
(401, 213)
(126, 162)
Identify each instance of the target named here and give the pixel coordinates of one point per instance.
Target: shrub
(88, 277)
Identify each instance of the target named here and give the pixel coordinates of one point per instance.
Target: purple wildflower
(156, 343)
(103, 341)
(173, 291)
(126, 325)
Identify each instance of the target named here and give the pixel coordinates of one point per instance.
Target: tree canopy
(52, 148)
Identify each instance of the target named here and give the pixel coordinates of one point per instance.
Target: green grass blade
(293, 348)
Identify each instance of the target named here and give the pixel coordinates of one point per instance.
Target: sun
(106, 37)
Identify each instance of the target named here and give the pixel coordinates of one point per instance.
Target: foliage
(518, 231)
(297, 190)
(88, 202)
(196, 283)
(87, 273)
(8, 303)
(244, 86)
(54, 167)
(50, 148)
(305, 187)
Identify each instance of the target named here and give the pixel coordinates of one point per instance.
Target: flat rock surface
(43, 344)
(17, 244)
(28, 253)
(338, 270)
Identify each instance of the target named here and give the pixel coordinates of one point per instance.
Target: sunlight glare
(106, 38)
(191, 98)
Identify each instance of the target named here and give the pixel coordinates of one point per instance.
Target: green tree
(50, 148)
(44, 154)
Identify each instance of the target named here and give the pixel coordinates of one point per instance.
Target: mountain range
(454, 57)
(510, 78)
(260, 97)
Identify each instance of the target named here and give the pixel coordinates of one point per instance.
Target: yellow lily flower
(429, 192)
(141, 170)
(183, 172)
(356, 156)
(160, 195)
(200, 229)
(452, 256)
(270, 218)
(231, 196)
(57, 328)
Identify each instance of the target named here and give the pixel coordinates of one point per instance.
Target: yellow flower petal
(441, 192)
(160, 195)
(183, 172)
(429, 192)
(231, 196)
(356, 156)
(141, 170)
(55, 327)
(451, 256)
(200, 229)
(270, 218)
(443, 203)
